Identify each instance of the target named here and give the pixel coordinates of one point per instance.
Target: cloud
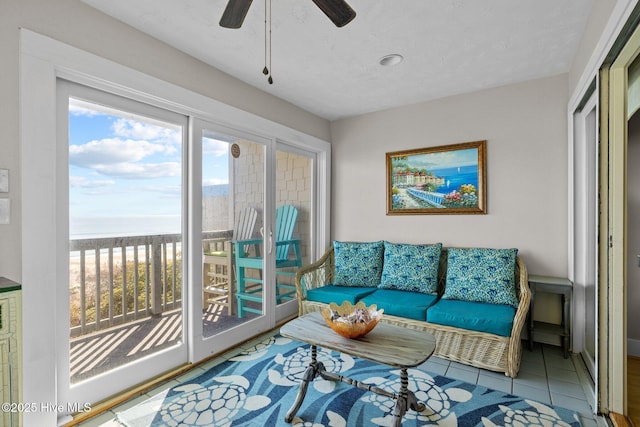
(134, 129)
(213, 147)
(111, 151)
(167, 190)
(444, 159)
(122, 158)
(77, 109)
(214, 181)
(131, 170)
(83, 182)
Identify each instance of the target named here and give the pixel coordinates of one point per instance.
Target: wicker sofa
(479, 349)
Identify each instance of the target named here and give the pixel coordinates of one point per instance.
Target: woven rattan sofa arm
(515, 347)
(315, 275)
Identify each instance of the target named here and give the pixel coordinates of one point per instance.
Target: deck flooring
(101, 351)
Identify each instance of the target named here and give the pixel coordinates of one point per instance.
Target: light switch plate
(4, 180)
(5, 209)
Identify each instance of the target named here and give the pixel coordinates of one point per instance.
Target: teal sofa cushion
(481, 275)
(358, 263)
(338, 294)
(411, 305)
(411, 267)
(475, 316)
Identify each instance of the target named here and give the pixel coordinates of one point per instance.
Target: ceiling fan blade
(235, 13)
(338, 11)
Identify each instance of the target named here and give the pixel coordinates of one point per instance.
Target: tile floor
(544, 376)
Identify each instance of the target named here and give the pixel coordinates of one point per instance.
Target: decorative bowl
(352, 321)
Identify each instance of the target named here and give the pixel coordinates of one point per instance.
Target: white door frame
(620, 14)
(585, 216)
(616, 144)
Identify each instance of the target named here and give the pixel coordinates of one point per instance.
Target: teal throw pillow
(411, 267)
(358, 263)
(481, 275)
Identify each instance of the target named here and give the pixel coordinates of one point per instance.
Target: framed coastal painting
(449, 179)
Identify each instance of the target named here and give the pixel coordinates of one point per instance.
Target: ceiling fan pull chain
(265, 70)
(270, 79)
(338, 11)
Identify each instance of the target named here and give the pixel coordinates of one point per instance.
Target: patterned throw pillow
(358, 263)
(411, 267)
(482, 275)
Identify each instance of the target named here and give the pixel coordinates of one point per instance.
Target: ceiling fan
(338, 11)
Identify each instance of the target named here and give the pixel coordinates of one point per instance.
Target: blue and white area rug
(258, 387)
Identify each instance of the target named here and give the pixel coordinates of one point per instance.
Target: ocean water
(113, 226)
(455, 177)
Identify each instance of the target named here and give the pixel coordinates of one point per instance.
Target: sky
(125, 172)
(444, 159)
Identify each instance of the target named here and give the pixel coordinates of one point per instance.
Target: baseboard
(633, 347)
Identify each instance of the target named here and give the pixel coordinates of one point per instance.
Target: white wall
(526, 131)
(589, 43)
(79, 25)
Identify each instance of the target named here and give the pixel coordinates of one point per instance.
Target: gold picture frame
(448, 179)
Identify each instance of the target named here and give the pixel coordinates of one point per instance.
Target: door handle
(270, 242)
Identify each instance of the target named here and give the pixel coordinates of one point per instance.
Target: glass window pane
(294, 174)
(232, 200)
(125, 204)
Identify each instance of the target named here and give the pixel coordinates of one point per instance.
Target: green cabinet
(10, 353)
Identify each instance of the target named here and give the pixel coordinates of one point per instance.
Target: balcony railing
(124, 279)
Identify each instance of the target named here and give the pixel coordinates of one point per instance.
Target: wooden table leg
(413, 402)
(406, 399)
(315, 369)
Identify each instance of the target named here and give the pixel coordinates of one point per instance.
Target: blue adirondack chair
(288, 260)
(217, 262)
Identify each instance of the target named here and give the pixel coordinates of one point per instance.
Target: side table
(558, 286)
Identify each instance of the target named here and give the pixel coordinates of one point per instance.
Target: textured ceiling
(449, 46)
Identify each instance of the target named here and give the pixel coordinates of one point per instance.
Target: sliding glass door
(256, 231)
(184, 239)
(84, 276)
(229, 259)
(124, 170)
